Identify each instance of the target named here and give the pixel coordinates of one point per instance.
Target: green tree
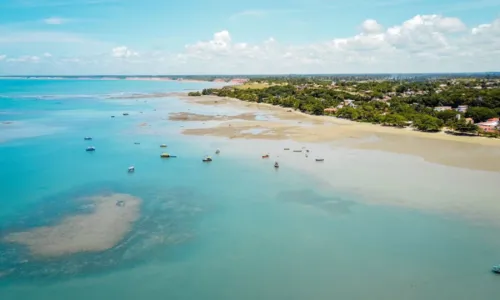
(428, 123)
(480, 114)
(464, 126)
(396, 120)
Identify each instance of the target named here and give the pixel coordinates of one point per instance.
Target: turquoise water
(232, 229)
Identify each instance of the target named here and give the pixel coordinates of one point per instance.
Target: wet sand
(100, 230)
(466, 152)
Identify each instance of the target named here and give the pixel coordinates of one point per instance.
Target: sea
(234, 228)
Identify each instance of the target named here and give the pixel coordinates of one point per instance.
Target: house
(349, 102)
(442, 108)
(491, 125)
(469, 120)
(330, 110)
(462, 108)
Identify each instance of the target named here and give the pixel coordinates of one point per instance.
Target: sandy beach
(476, 153)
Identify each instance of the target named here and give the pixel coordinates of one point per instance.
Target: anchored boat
(87, 138)
(131, 169)
(90, 149)
(164, 155)
(217, 151)
(276, 165)
(207, 159)
(265, 156)
(320, 159)
(163, 146)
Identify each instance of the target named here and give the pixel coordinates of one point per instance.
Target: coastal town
(459, 106)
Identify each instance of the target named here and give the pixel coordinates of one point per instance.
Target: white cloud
(123, 52)
(47, 54)
(2, 57)
(54, 21)
(371, 26)
(25, 58)
(424, 43)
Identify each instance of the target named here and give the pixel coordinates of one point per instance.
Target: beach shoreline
(476, 153)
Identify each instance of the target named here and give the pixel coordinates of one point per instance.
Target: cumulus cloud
(371, 26)
(47, 54)
(424, 43)
(123, 52)
(2, 57)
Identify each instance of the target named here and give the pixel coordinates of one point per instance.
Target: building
(349, 102)
(442, 108)
(462, 108)
(491, 125)
(469, 120)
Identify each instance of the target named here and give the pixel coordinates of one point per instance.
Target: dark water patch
(167, 220)
(333, 205)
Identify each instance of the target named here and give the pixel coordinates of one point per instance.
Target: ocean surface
(234, 228)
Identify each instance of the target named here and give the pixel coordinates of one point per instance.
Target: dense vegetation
(386, 102)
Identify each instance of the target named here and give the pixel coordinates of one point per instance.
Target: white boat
(87, 138)
(320, 159)
(217, 151)
(207, 159)
(131, 169)
(91, 148)
(276, 165)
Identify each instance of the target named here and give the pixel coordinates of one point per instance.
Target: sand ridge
(102, 229)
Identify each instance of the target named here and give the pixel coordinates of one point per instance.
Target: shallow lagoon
(232, 229)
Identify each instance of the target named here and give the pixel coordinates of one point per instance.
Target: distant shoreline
(130, 78)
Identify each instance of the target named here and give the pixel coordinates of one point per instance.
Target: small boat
(265, 156)
(112, 116)
(164, 155)
(307, 150)
(87, 138)
(496, 269)
(207, 159)
(276, 165)
(120, 203)
(320, 159)
(137, 143)
(163, 146)
(297, 150)
(125, 114)
(174, 156)
(131, 169)
(91, 148)
(217, 151)
(287, 149)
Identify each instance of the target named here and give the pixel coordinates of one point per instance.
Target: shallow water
(234, 228)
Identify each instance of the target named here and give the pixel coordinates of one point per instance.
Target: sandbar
(99, 230)
(185, 116)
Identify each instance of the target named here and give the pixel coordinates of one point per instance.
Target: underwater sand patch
(103, 228)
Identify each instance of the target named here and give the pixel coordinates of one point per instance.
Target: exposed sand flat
(185, 116)
(459, 151)
(98, 231)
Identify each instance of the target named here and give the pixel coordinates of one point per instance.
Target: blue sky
(221, 36)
